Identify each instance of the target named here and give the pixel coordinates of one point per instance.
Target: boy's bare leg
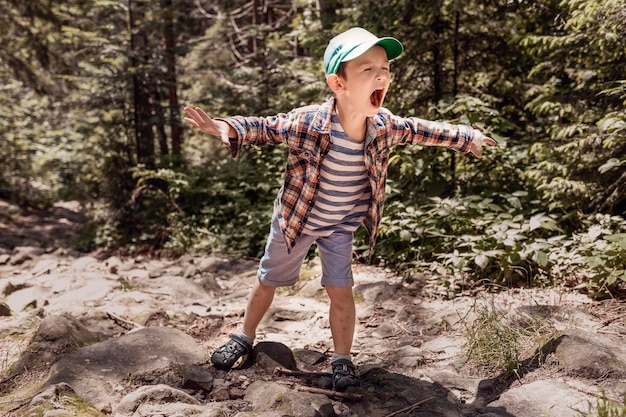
(227, 356)
(259, 301)
(342, 318)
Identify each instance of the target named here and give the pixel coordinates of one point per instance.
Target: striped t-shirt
(344, 192)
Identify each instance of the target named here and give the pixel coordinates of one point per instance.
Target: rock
(270, 355)
(590, 355)
(190, 270)
(59, 400)
(5, 310)
(539, 398)
(44, 266)
(50, 393)
(21, 254)
(57, 336)
(371, 293)
(264, 395)
(73, 300)
(9, 288)
(406, 357)
(28, 298)
(386, 329)
(306, 404)
(308, 356)
(178, 409)
(159, 394)
(94, 371)
(281, 314)
(220, 390)
(196, 377)
(155, 273)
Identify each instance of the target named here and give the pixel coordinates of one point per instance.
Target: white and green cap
(353, 43)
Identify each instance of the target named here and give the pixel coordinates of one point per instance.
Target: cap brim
(392, 46)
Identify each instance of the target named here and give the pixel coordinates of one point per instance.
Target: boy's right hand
(198, 118)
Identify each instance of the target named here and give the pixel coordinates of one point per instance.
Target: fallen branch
(330, 393)
(410, 408)
(127, 324)
(284, 371)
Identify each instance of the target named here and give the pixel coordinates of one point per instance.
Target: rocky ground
(102, 334)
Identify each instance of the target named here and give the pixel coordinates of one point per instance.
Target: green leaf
(481, 260)
(619, 238)
(610, 164)
(541, 258)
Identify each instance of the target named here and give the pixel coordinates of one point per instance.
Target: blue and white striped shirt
(344, 193)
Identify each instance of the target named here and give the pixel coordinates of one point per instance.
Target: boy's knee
(340, 294)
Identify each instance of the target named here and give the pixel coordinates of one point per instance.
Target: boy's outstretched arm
(198, 118)
(477, 144)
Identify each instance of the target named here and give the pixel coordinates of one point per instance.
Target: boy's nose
(381, 75)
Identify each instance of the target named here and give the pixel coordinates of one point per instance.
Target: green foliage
(575, 62)
(494, 241)
(546, 207)
(226, 207)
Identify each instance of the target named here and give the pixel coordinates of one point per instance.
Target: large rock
(96, 372)
(57, 336)
(591, 355)
(159, 394)
(539, 398)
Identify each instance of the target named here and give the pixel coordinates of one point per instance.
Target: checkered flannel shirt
(306, 131)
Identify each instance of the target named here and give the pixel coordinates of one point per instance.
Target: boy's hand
(477, 144)
(198, 118)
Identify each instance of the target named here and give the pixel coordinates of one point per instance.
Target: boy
(334, 181)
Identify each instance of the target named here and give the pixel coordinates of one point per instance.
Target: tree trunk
(171, 80)
(327, 12)
(455, 81)
(144, 136)
(438, 31)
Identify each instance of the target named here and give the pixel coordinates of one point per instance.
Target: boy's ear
(334, 82)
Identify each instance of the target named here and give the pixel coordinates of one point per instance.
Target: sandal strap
(345, 375)
(344, 367)
(242, 345)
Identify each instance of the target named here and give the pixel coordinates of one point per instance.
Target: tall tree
(576, 95)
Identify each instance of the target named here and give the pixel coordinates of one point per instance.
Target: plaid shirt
(306, 131)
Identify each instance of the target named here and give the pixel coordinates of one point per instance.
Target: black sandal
(227, 356)
(345, 375)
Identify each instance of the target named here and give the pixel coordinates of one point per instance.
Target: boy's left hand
(477, 144)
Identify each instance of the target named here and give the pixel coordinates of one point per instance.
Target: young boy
(334, 181)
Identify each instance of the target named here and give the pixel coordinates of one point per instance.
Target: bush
(494, 241)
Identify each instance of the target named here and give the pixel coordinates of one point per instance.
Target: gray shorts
(279, 268)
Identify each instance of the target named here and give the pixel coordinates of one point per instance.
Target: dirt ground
(404, 326)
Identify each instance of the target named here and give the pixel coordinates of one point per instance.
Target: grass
(605, 407)
(495, 344)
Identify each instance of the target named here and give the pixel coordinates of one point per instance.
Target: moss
(72, 403)
(79, 406)
(26, 386)
(358, 298)
(283, 405)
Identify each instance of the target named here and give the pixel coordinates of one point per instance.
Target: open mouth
(376, 98)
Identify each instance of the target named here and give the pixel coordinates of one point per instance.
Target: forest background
(91, 99)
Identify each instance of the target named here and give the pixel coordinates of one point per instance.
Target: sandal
(227, 356)
(345, 375)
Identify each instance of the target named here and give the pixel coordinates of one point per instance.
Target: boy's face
(366, 81)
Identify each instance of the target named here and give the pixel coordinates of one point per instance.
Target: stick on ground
(289, 372)
(410, 408)
(331, 393)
